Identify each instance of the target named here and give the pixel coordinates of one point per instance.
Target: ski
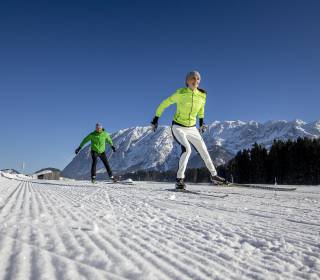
(216, 183)
(185, 191)
(253, 186)
(121, 182)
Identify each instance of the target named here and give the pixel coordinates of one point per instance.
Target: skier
(190, 102)
(98, 139)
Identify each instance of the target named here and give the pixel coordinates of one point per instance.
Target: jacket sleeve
(166, 103)
(108, 139)
(201, 111)
(85, 140)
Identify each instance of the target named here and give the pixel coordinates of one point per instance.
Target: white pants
(184, 136)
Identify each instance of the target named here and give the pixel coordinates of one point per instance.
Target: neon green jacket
(98, 141)
(189, 105)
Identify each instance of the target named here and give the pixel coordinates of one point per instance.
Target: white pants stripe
(184, 136)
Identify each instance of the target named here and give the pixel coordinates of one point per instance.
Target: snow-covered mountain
(139, 148)
(10, 171)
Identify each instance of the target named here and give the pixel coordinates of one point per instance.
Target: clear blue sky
(66, 64)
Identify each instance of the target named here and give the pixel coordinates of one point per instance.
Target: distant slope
(10, 171)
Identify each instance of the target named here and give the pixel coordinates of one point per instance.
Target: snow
(75, 230)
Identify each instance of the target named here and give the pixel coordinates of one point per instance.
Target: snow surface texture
(74, 230)
(139, 148)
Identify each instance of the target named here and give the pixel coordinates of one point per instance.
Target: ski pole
(110, 156)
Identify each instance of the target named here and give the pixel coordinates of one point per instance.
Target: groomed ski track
(74, 230)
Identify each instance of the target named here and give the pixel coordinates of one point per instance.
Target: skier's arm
(166, 103)
(201, 111)
(202, 126)
(108, 139)
(85, 140)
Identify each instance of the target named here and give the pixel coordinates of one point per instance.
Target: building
(47, 174)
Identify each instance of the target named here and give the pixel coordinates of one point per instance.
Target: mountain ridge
(139, 148)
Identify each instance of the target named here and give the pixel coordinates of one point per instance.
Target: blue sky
(64, 65)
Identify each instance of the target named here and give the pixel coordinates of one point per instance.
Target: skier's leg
(104, 159)
(179, 135)
(94, 156)
(196, 140)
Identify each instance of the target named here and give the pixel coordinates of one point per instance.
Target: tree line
(286, 162)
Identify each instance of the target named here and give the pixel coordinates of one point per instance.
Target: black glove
(202, 129)
(77, 150)
(202, 126)
(154, 123)
(201, 122)
(113, 148)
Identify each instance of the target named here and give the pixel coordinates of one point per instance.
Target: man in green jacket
(98, 139)
(190, 102)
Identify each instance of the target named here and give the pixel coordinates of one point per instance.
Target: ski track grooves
(64, 230)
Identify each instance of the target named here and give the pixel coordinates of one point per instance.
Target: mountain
(139, 148)
(10, 171)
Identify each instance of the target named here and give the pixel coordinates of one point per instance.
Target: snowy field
(73, 230)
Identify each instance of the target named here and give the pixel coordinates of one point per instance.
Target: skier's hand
(203, 128)
(154, 127)
(77, 150)
(154, 123)
(113, 148)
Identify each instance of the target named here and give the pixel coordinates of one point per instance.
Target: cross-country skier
(190, 102)
(98, 139)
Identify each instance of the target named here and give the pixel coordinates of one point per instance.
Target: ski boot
(114, 179)
(93, 179)
(180, 184)
(217, 180)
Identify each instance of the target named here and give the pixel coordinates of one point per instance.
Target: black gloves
(113, 148)
(202, 126)
(154, 123)
(77, 150)
(201, 123)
